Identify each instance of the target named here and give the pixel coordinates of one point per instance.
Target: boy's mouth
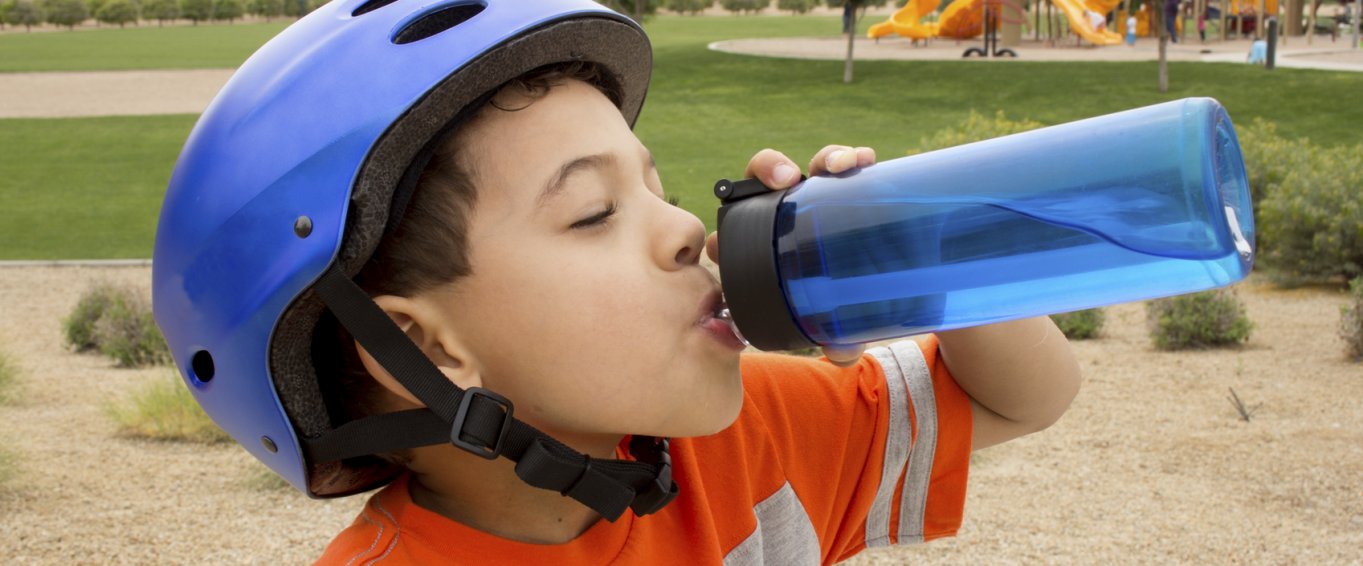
(718, 322)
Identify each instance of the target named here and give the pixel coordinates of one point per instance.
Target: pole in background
(1358, 15)
(1272, 43)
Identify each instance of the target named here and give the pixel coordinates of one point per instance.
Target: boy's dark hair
(428, 248)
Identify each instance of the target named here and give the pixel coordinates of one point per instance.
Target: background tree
(795, 6)
(121, 12)
(64, 12)
(92, 7)
(228, 10)
(161, 10)
(691, 7)
(744, 6)
(23, 13)
(5, 7)
(851, 11)
(637, 9)
(268, 9)
(196, 10)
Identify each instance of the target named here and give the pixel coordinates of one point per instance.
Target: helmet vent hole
(202, 364)
(370, 6)
(436, 22)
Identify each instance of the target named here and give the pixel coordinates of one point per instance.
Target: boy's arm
(1020, 375)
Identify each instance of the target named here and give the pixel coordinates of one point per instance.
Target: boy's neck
(488, 496)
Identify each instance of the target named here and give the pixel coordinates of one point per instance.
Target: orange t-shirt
(821, 463)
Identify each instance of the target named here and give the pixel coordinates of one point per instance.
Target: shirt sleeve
(877, 453)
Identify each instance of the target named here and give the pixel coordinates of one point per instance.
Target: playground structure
(964, 19)
(1243, 17)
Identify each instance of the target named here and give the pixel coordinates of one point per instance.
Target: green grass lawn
(85, 188)
(206, 46)
(707, 113)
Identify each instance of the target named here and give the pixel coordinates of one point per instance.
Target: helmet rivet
(269, 444)
(302, 227)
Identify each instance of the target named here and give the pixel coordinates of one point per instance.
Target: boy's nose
(682, 238)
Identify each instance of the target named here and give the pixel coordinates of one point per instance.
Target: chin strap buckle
(662, 490)
(496, 411)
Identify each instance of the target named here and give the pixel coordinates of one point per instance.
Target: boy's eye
(595, 219)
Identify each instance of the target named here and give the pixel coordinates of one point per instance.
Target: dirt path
(108, 93)
(85, 496)
(1151, 465)
(1322, 55)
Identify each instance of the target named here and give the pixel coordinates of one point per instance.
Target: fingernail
(783, 175)
(833, 158)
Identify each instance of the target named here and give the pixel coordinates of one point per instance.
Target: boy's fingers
(774, 169)
(865, 156)
(844, 356)
(712, 246)
(836, 159)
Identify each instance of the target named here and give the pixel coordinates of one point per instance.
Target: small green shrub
(1200, 320)
(1351, 321)
(79, 326)
(118, 322)
(1080, 325)
(1308, 207)
(165, 410)
(976, 127)
(128, 333)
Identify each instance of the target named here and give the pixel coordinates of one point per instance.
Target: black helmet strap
(479, 421)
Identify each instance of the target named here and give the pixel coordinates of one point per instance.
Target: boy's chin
(710, 423)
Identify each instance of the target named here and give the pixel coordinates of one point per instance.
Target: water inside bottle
(916, 263)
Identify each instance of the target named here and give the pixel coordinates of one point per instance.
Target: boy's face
(587, 306)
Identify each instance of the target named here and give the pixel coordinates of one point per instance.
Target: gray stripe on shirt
(784, 534)
(913, 502)
(897, 439)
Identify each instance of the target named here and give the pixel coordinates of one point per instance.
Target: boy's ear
(427, 329)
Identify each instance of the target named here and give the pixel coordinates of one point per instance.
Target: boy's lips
(719, 328)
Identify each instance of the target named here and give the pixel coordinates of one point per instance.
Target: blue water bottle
(1136, 205)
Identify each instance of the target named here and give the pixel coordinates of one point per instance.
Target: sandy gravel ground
(1152, 464)
(108, 93)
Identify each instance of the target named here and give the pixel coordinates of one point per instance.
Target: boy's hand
(780, 172)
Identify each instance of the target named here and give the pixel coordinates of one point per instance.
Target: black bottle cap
(747, 266)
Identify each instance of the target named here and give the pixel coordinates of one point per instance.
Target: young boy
(516, 318)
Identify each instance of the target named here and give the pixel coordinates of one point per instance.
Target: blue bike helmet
(286, 186)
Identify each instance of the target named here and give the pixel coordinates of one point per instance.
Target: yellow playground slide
(1077, 12)
(905, 21)
(962, 19)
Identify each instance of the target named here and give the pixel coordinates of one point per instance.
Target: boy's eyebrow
(555, 185)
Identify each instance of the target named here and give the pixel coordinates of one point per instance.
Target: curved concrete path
(108, 93)
(1323, 55)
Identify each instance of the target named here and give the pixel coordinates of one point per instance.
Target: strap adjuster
(656, 494)
(461, 415)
